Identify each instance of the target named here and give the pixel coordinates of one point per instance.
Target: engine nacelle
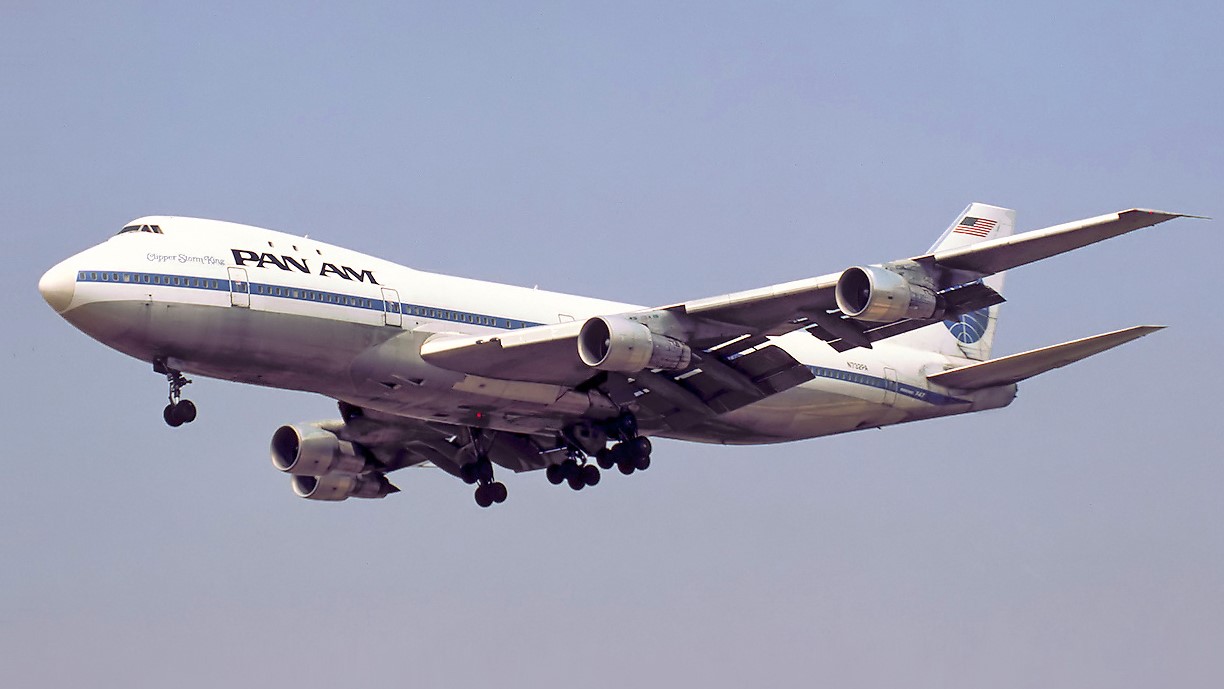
(312, 451)
(625, 346)
(341, 487)
(881, 295)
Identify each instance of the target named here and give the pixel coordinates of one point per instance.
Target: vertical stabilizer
(971, 335)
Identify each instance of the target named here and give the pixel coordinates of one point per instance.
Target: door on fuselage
(392, 311)
(890, 386)
(240, 289)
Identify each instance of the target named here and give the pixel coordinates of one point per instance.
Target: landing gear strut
(480, 472)
(179, 411)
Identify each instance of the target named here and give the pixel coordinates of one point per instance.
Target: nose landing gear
(179, 411)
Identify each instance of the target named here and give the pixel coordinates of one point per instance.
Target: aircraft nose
(57, 286)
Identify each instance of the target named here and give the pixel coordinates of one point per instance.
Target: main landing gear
(480, 471)
(574, 470)
(179, 411)
(630, 454)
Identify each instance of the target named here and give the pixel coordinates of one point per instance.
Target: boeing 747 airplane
(467, 375)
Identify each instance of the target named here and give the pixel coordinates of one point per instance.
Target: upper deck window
(155, 229)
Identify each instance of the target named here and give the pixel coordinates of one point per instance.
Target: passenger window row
(301, 294)
(153, 279)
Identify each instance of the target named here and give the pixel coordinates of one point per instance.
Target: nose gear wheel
(179, 411)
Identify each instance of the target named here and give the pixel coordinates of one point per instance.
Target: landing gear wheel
(641, 446)
(184, 411)
(483, 496)
(626, 466)
(642, 463)
(497, 491)
(605, 459)
(555, 474)
(576, 481)
(570, 470)
(172, 420)
(590, 475)
(480, 471)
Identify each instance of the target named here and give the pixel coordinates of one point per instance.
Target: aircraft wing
(994, 256)
(541, 354)
(716, 380)
(785, 307)
(397, 442)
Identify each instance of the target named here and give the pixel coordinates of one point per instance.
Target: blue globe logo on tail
(970, 327)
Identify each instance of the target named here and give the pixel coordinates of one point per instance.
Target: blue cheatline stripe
(260, 289)
(903, 389)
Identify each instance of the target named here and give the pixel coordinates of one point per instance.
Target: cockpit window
(155, 229)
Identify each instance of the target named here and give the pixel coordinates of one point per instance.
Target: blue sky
(646, 153)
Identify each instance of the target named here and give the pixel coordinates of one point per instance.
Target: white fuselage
(253, 305)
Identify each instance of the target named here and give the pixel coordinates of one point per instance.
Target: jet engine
(336, 487)
(312, 451)
(625, 346)
(324, 467)
(883, 294)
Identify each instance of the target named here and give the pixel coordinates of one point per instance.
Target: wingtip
(1143, 330)
(1169, 215)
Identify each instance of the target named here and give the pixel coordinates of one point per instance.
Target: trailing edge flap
(1018, 367)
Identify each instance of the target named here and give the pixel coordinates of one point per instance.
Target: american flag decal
(977, 227)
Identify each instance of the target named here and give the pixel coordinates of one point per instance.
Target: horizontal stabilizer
(1017, 367)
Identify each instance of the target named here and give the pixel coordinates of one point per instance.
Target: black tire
(170, 417)
(185, 411)
(641, 446)
(576, 482)
(467, 472)
(590, 475)
(626, 466)
(499, 492)
(483, 497)
(604, 459)
(642, 463)
(570, 469)
(555, 474)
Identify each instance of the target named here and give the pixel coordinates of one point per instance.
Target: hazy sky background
(648, 153)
